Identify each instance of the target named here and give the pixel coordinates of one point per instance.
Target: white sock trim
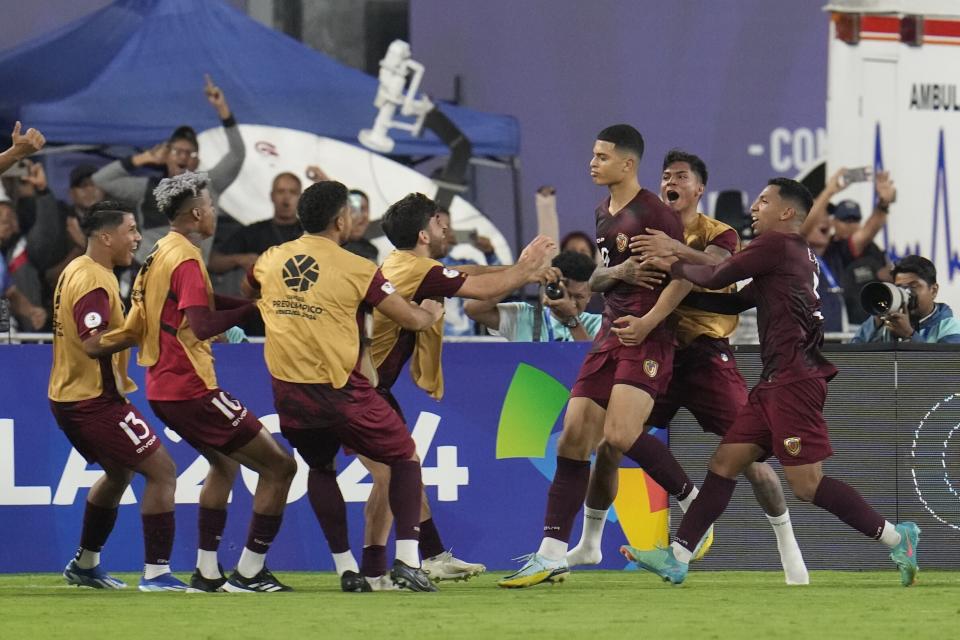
(686, 502)
(207, 564)
(408, 552)
(345, 562)
(890, 536)
(151, 571)
(553, 549)
(88, 559)
(681, 553)
(250, 563)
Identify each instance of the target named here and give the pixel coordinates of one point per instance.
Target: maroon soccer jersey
(91, 313)
(613, 239)
(785, 275)
(437, 283)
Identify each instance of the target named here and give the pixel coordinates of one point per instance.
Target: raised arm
(23, 145)
(886, 195)
(226, 171)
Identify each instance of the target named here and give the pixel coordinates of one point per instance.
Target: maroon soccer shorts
(317, 419)
(216, 420)
(647, 366)
(705, 381)
(786, 420)
(106, 429)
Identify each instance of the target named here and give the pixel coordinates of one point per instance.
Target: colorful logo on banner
(530, 410)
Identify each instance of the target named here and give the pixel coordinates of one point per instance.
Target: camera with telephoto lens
(553, 291)
(882, 298)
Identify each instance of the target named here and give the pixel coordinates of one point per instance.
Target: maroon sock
(712, 500)
(657, 462)
(566, 495)
(405, 496)
(263, 529)
(329, 507)
(374, 561)
(843, 501)
(211, 523)
(430, 543)
(97, 524)
(158, 530)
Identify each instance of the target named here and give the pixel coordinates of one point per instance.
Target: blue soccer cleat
(95, 578)
(659, 561)
(905, 553)
(163, 582)
(536, 570)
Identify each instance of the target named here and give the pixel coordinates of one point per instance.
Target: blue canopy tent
(133, 71)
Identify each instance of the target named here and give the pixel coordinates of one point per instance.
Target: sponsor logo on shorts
(622, 242)
(92, 320)
(650, 367)
(792, 445)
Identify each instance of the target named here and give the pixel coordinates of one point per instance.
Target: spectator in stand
(455, 321)
(828, 287)
(28, 313)
(564, 320)
(242, 249)
(360, 211)
(926, 321)
(178, 154)
(852, 256)
(581, 243)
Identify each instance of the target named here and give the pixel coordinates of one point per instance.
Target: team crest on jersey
(792, 445)
(450, 273)
(92, 320)
(650, 367)
(622, 240)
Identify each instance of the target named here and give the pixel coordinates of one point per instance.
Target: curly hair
(171, 193)
(319, 205)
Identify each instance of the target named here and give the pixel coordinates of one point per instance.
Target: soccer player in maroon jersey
(705, 377)
(174, 316)
(88, 387)
(630, 362)
(784, 413)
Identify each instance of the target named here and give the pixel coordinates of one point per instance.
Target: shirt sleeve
(949, 331)
(379, 289)
(591, 323)
(440, 281)
(509, 319)
(759, 257)
(188, 286)
(727, 240)
(91, 313)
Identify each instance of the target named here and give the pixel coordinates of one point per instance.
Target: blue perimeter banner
(488, 509)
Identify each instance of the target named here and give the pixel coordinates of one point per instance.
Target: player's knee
(573, 443)
(286, 469)
(608, 456)
(803, 489)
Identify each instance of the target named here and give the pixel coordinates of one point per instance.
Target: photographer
(919, 318)
(564, 319)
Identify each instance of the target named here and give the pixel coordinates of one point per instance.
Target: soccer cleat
(263, 582)
(536, 570)
(95, 577)
(407, 577)
(905, 553)
(353, 582)
(444, 566)
(201, 584)
(659, 561)
(703, 546)
(382, 583)
(163, 582)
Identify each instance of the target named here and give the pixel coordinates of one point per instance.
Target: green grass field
(604, 604)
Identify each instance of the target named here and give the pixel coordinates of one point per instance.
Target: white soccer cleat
(444, 566)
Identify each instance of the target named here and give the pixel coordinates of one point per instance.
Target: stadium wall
(488, 452)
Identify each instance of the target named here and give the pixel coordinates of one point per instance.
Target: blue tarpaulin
(132, 72)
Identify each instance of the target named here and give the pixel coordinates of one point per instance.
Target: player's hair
(919, 265)
(171, 193)
(796, 193)
(358, 192)
(286, 174)
(624, 138)
(406, 218)
(583, 236)
(184, 132)
(319, 205)
(106, 214)
(574, 265)
(697, 165)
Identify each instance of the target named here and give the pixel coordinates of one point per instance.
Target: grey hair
(173, 192)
